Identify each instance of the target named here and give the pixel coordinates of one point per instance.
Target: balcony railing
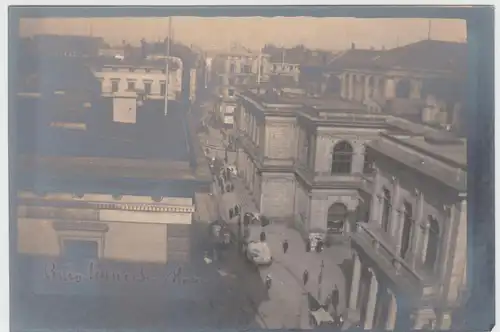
(387, 252)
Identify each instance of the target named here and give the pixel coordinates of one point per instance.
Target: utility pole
(429, 29)
(167, 59)
(259, 63)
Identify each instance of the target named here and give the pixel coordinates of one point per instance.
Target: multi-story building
(125, 82)
(397, 188)
(238, 67)
(304, 157)
(423, 81)
(121, 195)
(410, 256)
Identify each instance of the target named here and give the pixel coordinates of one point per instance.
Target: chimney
(353, 46)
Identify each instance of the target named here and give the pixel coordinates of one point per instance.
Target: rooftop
(274, 97)
(103, 138)
(446, 163)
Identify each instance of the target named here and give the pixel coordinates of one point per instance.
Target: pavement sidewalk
(288, 305)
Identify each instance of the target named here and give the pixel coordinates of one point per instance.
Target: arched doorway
(403, 88)
(337, 215)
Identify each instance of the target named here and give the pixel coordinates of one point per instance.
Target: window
(432, 244)
(342, 158)
(230, 92)
(163, 88)
(386, 210)
(407, 229)
(337, 214)
(80, 249)
(147, 88)
(247, 69)
(232, 68)
(130, 86)
(114, 86)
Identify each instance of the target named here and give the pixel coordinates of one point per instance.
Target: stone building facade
(409, 262)
(423, 81)
(123, 228)
(304, 160)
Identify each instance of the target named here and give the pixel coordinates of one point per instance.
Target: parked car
(321, 318)
(259, 253)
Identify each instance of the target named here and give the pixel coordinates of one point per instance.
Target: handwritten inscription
(94, 273)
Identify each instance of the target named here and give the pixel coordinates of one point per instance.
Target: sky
(255, 32)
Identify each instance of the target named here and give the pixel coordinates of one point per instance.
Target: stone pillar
(372, 302)
(392, 312)
(395, 222)
(376, 200)
(350, 89)
(368, 88)
(343, 89)
(356, 277)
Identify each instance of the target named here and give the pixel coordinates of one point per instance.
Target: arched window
(337, 214)
(407, 229)
(386, 210)
(342, 158)
(432, 244)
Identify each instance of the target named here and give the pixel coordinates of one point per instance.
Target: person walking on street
(305, 277)
(319, 246)
(335, 299)
(285, 246)
(269, 281)
(308, 245)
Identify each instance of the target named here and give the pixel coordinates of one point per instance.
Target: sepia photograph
(248, 173)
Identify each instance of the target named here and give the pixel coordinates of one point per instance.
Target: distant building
(129, 83)
(67, 45)
(423, 81)
(238, 68)
(409, 265)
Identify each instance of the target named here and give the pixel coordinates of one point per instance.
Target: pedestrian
(285, 246)
(308, 245)
(335, 298)
(269, 281)
(305, 277)
(319, 246)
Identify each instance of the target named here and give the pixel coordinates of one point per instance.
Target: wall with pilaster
(278, 194)
(280, 138)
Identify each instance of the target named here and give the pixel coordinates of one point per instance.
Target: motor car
(259, 253)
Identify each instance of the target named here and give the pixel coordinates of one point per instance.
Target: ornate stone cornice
(144, 207)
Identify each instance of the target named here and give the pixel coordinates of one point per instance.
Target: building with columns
(423, 81)
(303, 158)
(410, 256)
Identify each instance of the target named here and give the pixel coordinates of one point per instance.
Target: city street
(287, 306)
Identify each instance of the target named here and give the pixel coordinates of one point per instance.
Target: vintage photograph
(247, 173)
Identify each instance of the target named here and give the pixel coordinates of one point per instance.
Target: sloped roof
(353, 58)
(427, 55)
